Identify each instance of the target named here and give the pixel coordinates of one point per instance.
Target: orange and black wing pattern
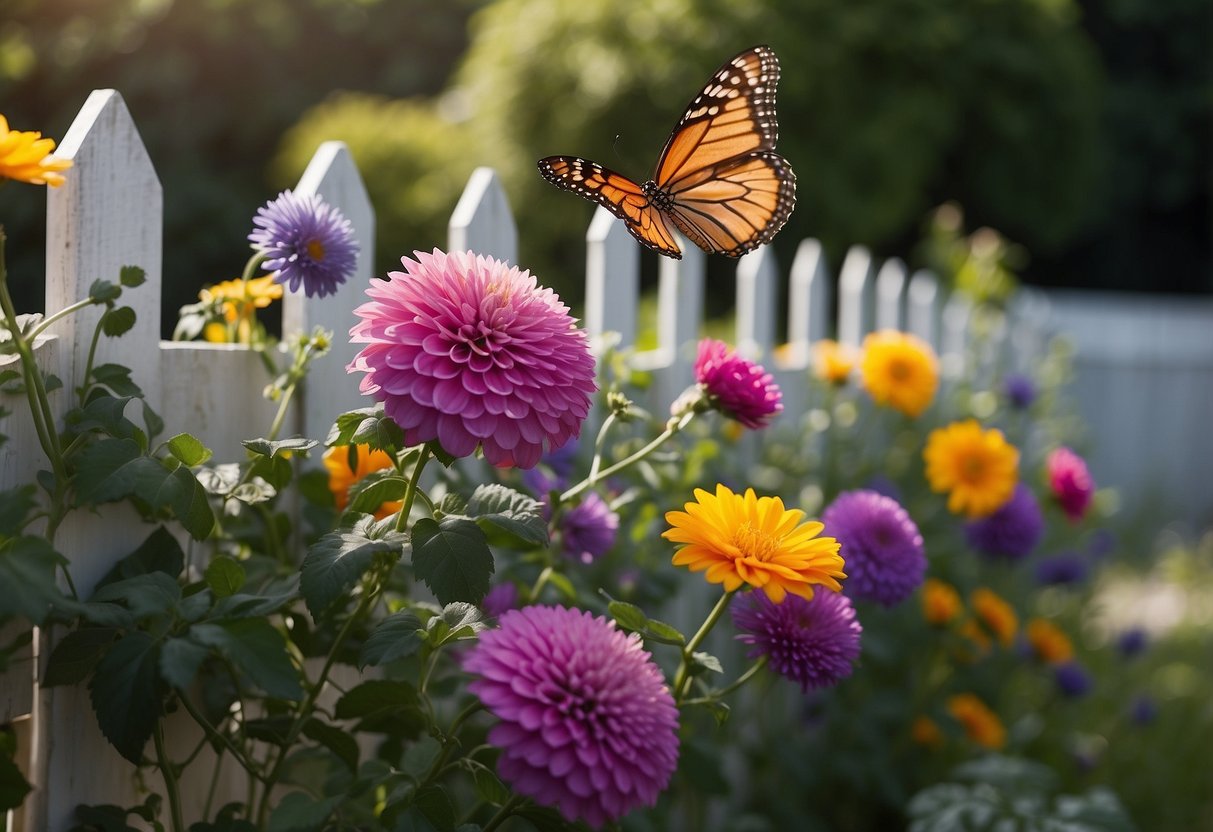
(618, 194)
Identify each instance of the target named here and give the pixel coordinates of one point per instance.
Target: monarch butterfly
(718, 180)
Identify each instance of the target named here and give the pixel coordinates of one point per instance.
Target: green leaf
(337, 561)
(270, 600)
(131, 276)
(419, 757)
(273, 447)
(159, 552)
(102, 291)
(114, 469)
(152, 421)
(118, 321)
(701, 662)
(382, 705)
(397, 636)
(665, 633)
(180, 659)
(510, 511)
(117, 378)
(126, 696)
(453, 559)
(335, 739)
(146, 596)
(434, 805)
(76, 654)
(224, 575)
(27, 578)
(628, 616)
(458, 621)
(372, 491)
(256, 649)
(15, 506)
(13, 786)
(103, 412)
(489, 787)
(188, 449)
(366, 426)
(298, 812)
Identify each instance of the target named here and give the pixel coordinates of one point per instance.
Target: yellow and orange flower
(241, 299)
(971, 630)
(899, 371)
(26, 157)
(940, 602)
(978, 468)
(995, 614)
(740, 539)
(926, 732)
(980, 723)
(342, 478)
(833, 362)
(1050, 644)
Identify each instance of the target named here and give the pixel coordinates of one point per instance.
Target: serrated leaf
(511, 511)
(382, 705)
(15, 506)
(453, 559)
(257, 650)
(628, 616)
(270, 600)
(114, 469)
(273, 447)
(145, 596)
(298, 812)
(76, 654)
(103, 291)
(103, 412)
(224, 575)
(434, 807)
(489, 787)
(397, 636)
(117, 378)
(335, 739)
(118, 321)
(126, 696)
(188, 449)
(337, 561)
(180, 659)
(366, 426)
(372, 491)
(456, 622)
(190, 506)
(131, 276)
(159, 552)
(27, 578)
(253, 492)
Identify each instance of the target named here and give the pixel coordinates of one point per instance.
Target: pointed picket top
(757, 297)
(957, 312)
(855, 296)
(333, 176)
(612, 278)
(891, 294)
(482, 221)
(808, 302)
(106, 215)
(923, 307)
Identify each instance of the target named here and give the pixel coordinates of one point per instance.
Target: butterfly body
(718, 180)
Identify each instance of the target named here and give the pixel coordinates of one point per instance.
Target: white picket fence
(109, 215)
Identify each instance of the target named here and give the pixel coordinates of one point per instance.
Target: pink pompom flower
(737, 387)
(472, 352)
(1070, 482)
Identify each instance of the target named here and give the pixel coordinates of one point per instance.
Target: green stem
(410, 492)
(88, 365)
(249, 765)
(250, 267)
(717, 695)
(451, 740)
(540, 583)
(169, 771)
(682, 677)
(280, 416)
(599, 442)
(672, 428)
(504, 812)
(46, 322)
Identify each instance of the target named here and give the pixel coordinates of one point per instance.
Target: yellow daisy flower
(995, 614)
(832, 361)
(341, 478)
(978, 468)
(1049, 643)
(940, 602)
(745, 539)
(899, 371)
(980, 723)
(26, 157)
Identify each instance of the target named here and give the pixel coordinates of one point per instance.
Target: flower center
(755, 543)
(899, 370)
(972, 469)
(315, 249)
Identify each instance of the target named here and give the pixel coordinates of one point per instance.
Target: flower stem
(682, 677)
(717, 695)
(250, 268)
(672, 428)
(504, 812)
(45, 323)
(540, 583)
(410, 491)
(169, 771)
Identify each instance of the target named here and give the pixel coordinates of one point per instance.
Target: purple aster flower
(1012, 531)
(1019, 390)
(500, 598)
(588, 529)
(881, 546)
(553, 471)
(813, 643)
(471, 352)
(1143, 709)
(1070, 481)
(1132, 642)
(306, 242)
(738, 388)
(1072, 679)
(1067, 568)
(586, 722)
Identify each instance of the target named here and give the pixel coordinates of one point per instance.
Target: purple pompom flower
(306, 242)
(1019, 390)
(500, 599)
(471, 352)
(586, 721)
(1132, 642)
(1072, 679)
(814, 643)
(737, 387)
(1012, 531)
(588, 529)
(881, 546)
(1067, 568)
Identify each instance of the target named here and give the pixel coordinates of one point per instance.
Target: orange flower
(342, 478)
(925, 731)
(996, 614)
(972, 631)
(736, 539)
(1050, 644)
(832, 361)
(940, 601)
(899, 371)
(978, 468)
(980, 723)
(26, 157)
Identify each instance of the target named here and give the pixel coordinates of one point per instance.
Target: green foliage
(338, 560)
(453, 559)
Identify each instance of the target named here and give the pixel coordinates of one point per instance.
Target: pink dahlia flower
(587, 723)
(1070, 482)
(738, 388)
(471, 352)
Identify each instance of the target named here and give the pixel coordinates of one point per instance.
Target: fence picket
(923, 307)
(612, 279)
(855, 296)
(808, 301)
(680, 295)
(482, 221)
(891, 295)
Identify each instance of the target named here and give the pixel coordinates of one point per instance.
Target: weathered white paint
(809, 312)
(757, 297)
(891, 295)
(612, 278)
(482, 221)
(923, 307)
(855, 296)
(680, 296)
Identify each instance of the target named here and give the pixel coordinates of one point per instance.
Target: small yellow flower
(745, 539)
(925, 731)
(832, 361)
(940, 602)
(996, 614)
(240, 300)
(899, 371)
(26, 157)
(980, 723)
(1049, 643)
(972, 631)
(341, 478)
(978, 468)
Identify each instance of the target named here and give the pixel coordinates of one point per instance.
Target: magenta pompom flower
(587, 723)
(306, 242)
(1012, 531)
(814, 643)
(1070, 482)
(880, 545)
(738, 388)
(471, 352)
(588, 529)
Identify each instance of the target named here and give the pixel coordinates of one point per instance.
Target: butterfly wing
(618, 194)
